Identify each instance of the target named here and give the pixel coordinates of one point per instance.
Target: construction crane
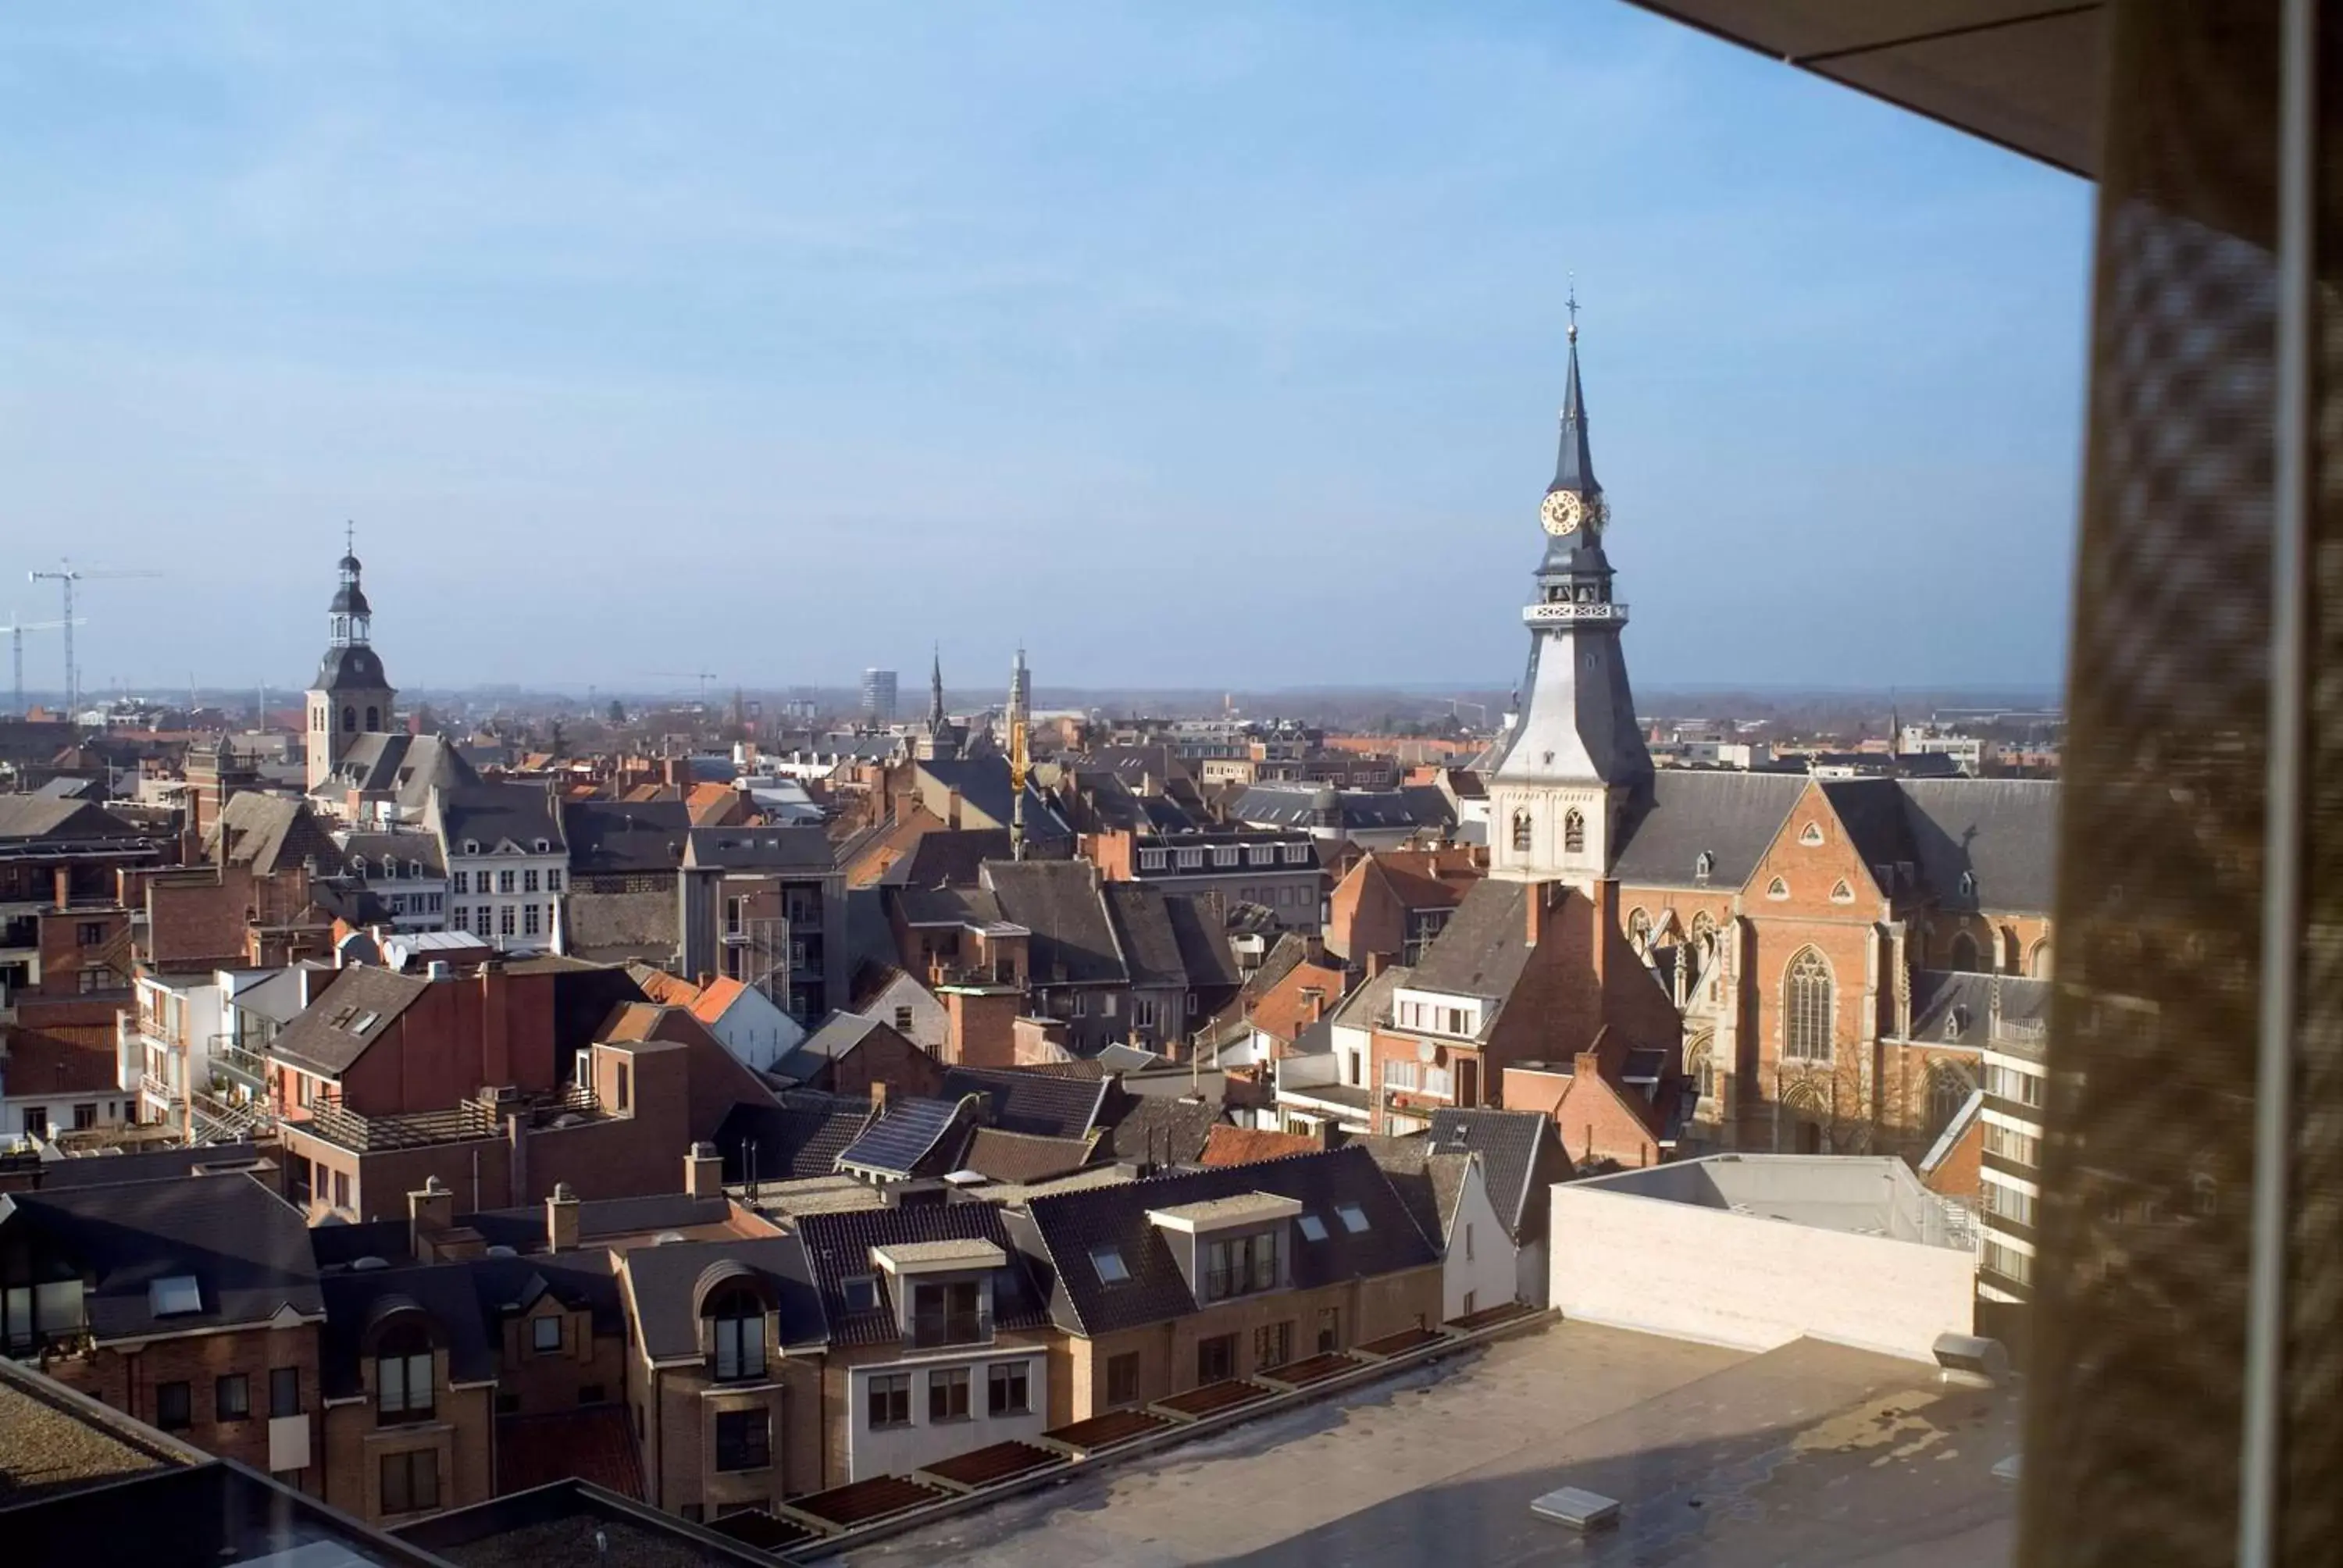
(64, 576)
(701, 676)
(16, 651)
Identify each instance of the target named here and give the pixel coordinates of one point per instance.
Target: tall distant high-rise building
(879, 695)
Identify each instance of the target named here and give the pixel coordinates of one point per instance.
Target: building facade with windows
(508, 864)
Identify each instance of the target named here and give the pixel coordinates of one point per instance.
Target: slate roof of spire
(1574, 467)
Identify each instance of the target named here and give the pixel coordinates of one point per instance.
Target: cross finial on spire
(349, 537)
(1571, 303)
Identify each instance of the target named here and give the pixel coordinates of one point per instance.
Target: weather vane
(1571, 303)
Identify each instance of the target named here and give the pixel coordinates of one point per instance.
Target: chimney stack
(703, 1170)
(1377, 963)
(430, 1213)
(878, 1096)
(561, 1219)
(1537, 912)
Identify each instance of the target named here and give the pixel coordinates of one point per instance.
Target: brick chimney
(703, 1170)
(878, 1095)
(1315, 997)
(561, 1219)
(951, 810)
(1537, 902)
(429, 1213)
(1377, 963)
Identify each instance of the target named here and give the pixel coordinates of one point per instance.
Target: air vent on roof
(501, 1250)
(360, 1265)
(664, 1237)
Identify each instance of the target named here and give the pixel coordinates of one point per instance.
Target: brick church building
(1762, 961)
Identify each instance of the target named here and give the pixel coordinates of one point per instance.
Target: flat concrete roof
(1812, 1453)
(1864, 1195)
(1215, 1213)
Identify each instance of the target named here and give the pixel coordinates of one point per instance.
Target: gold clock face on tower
(1561, 512)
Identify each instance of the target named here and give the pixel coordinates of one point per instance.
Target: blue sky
(1191, 345)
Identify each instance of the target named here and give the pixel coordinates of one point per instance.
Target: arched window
(1808, 1000)
(736, 1320)
(1573, 832)
(1639, 929)
(402, 1374)
(1841, 893)
(373, 718)
(1702, 865)
(1777, 889)
(349, 719)
(1522, 831)
(2038, 962)
(1811, 834)
(1701, 1068)
(1948, 1089)
(1965, 953)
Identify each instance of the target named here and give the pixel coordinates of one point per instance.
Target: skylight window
(174, 1295)
(365, 1022)
(1313, 1229)
(862, 1293)
(1108, 1261)
(1354, 1219)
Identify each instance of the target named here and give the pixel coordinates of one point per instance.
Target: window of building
(737, 1329)
(1811, 834)
(1081, 1004)
(1841, 893)
(545, 1334)
(1965, 952)
(341, 1189)
(2012, 1145)
(950, 1313)
(529, 919)
(947, 1395)
(1777, 889)
(349, 719)
(553, 881)
(1261, 855)
(505, 882)
(1122, 1379)
(284, 1391)
(1521, 832)
(1108, 1261)
(410, 1480)
(622, 1082)
(2009, 1084)
(505, 920)
(861, 1293)
(2008, 1202)
(1224, 854)
(85, 1116)
(402, 1375)
(1573, 832)
(529, 880)
(2009, 1261)
(232, 1397)
(1191, 859)
(1353, 1218)
(1216, 1358)
(1703, 865)
(744, 1440)
(1008, 1387)
(1272, 1344)
(461, 882)
(903, 1020)
(1398, 1074)
(1241, 1265)
(1150, 860)
(1808, 998)
(89, 933)
(891, 1400)
(175, 1406)
(1313, 1229)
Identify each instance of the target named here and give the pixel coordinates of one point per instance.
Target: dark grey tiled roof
(960, 905)
(839, 1034)
(1200, 926)
(1521, 1157)
(1043, 1104)
(273, 833)
(839, 1247)
(667, 1286)
(337, 1028)
(1482, 949)
(406, 849)
(1061, 1232)
(1158, 1129)
(618, 836)
(759, 848)
(1143, 926)
(1059, 902)
(1357, 810)
(1953, 1008)
(1023, 1157)
(802, 1136)
(1731, 816)
(523, 1229)
(1426, 1183)
(947, 857)
(247, 1248)
(357, 1302)
(41, 817)
(983, 783)
(405, 766)
(2003, 831)
(1873, 812)
(492, 814)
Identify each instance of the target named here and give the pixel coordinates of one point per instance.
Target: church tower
(351, 695)
(1574, 766)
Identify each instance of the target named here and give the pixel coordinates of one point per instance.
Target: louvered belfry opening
(2138, 1447)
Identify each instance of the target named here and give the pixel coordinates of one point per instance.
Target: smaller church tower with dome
(351, 695)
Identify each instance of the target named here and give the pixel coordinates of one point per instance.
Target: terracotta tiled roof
(671, 990)
(594, 1444)
(721, 994)
(1227, 1145)
(1284, 1010)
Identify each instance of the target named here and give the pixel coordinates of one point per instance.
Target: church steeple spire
(936, 692)
(1573, 466)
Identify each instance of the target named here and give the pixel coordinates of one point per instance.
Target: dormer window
(545, 846)
(736, 1321)
(402, 1376)
(471, 845)
(1968, 884)
(1702, 865)
(1241, 1265)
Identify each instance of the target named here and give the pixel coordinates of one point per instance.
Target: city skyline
(980, 357)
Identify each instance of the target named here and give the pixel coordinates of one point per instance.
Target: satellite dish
(1426, 1052)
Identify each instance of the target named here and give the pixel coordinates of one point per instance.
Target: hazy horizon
(1215, 347)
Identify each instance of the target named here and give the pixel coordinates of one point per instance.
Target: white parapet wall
(1756, 1251)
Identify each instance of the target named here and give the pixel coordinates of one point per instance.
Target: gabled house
(1520, 1159)
(1447, 1192)
(850, 1053)
(191, 1302)
(1167, 1284)
(747, 1023)
(939, 1340)
(912, 1138)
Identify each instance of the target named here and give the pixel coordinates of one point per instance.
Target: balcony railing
(933, 1329)
(158, 1089)
(230, 1057)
